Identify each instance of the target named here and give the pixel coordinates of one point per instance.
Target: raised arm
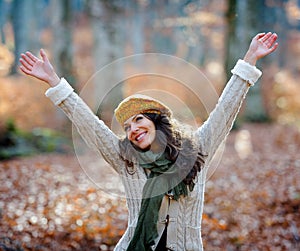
(93, 130)
(213, 132)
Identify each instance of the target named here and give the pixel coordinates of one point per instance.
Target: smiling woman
(140, 129)
(162, 166)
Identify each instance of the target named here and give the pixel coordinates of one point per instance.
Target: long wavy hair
(177, 140)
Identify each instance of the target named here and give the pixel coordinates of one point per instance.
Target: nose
(132, 131)
(134, 127)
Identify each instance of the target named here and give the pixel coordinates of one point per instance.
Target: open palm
(261, 45)
(38, 68)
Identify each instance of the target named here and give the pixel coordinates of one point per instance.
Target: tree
(243, 24)
(62, 25)
(20, 23)
(107, 22)
(4, 10)
(27, 25)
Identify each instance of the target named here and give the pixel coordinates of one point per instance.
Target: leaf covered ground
(252, 199)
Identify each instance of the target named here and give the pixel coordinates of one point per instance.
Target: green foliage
(15, 142)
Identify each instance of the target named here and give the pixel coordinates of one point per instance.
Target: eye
(138, 118)
(126, 128)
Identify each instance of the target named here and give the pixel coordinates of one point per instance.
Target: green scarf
(164, 177)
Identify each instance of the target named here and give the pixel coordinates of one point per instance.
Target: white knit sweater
(184, 228)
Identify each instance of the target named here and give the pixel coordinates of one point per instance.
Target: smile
(140, 136)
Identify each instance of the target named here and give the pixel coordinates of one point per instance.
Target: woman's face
(140, 131)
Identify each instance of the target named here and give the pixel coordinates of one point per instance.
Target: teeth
(140, 136)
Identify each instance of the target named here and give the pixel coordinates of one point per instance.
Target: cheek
(153, 133)
(128, 136)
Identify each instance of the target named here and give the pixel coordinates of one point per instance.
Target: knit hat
(138, 103)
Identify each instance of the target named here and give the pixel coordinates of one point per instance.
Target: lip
(140, 136)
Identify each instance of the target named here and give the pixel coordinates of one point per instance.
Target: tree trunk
(4, 11)
(63, 43)
(21, 12)
(243, 24)
(109, 43)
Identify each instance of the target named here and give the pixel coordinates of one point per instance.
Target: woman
(161, 166)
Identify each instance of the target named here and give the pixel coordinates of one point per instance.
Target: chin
(145, 148)
(142, 148)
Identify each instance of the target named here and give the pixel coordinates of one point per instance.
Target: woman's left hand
(261, 45)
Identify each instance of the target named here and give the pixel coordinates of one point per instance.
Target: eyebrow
(126, 124)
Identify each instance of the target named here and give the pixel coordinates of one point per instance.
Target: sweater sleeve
(219, 123)
(93, 130)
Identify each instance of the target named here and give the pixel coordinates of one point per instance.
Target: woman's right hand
(261, 45)
(39, 68)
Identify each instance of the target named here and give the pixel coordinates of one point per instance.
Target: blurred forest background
(60, 209)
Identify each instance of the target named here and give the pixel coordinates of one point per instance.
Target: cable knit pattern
(215, 129)
(181, 222)
(246, 71)
(60, 92)
(184, 229)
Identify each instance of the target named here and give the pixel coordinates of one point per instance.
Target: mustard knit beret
(137, 104)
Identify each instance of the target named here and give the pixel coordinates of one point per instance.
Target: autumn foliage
(252, 203)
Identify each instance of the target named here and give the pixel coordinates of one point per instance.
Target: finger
(31, 56)
(259, 35)
(273, 38)
(265, 37)
(44, 55)
(25, 70)
(273, 48)
(26, 59)
(25, 64)
(30, 59)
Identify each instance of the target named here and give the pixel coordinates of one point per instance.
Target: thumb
(44, 56)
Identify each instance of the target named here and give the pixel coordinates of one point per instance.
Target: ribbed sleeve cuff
(246, 71)
(60, 92)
